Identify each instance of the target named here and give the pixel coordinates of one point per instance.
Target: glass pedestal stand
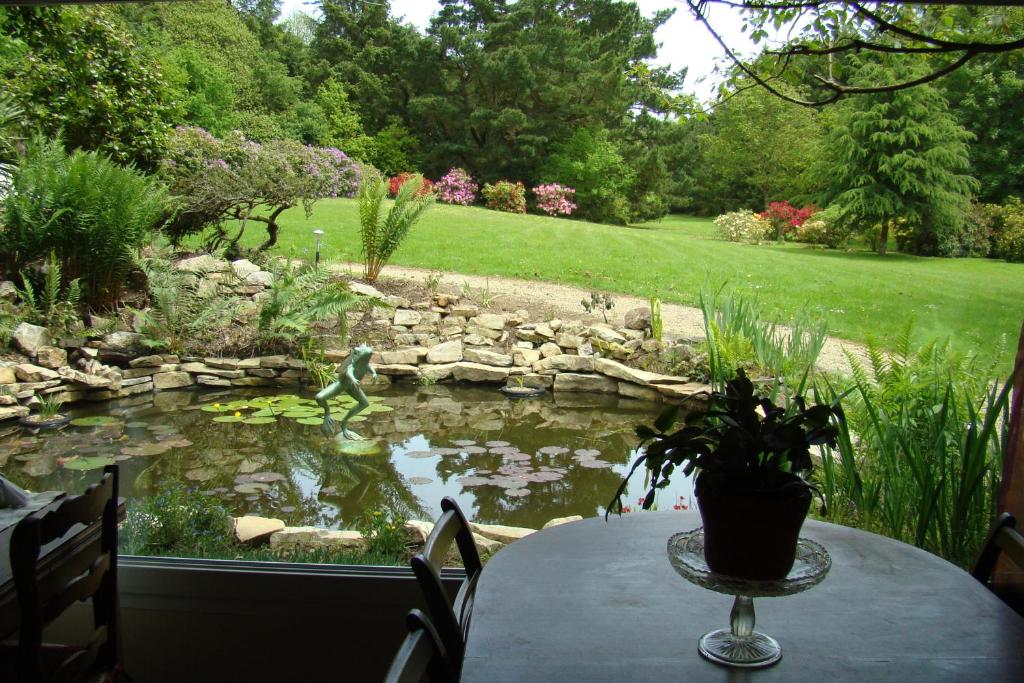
(740, 645)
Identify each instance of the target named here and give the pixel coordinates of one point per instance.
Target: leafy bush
(395, 182)
(214, 180)
(52, 303)
(824, 227)
(590, 162)
(456, 187)
(554, 199)
(93, 214)
(505, 195)
(176, 521)
(384, 535)
(785, 218)
(381, 234)
(1009, 240)
(743, 226)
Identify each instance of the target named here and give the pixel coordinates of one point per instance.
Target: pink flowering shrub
(554, 199)
(456, 187)
(505, 195)
(786, 218)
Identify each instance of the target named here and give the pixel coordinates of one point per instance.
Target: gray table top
(596, 601)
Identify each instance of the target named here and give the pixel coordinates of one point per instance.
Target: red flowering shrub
(397, 181)
(786, 218)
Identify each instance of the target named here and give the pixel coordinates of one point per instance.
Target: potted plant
(47, 415)
(749, 455)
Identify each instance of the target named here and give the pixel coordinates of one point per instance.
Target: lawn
(974, 302)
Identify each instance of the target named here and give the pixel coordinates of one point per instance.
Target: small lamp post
(319, 235)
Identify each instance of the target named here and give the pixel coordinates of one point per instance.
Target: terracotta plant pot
(752, 534)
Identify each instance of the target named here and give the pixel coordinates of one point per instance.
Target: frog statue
(350, 373)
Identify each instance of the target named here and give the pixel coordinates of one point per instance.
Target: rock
(212, 381)
(123, 341)
(13, 412)
(486, 332)
(638, 318)
(437, 373)
(135, 382)
(63, 396)
(232, 363)
(7, 374)
(277, 362)
(29, 338)
(447, 352)
(611, 368)
(535, 381)
(85, 379)
(558, 521)
(364, 289)
(564, 363)
(485, 357)
(525, 357)
(500, 533)
(250, 382)
(147, 362)
(256, 530)
(487, 545)
(568, 341)
(134, 373)
(261, 372)
(682, 391)
(476, 340)
(652, 345)
(490, 321)
(465, 310)
(171, 380)
(308, 537)
(418, 531)
(606, 334)
(204, 263)
(143, 388)
(26, 372)
(51, 357)
(406, 317)
(202, 369)
(549, 349)
(8, 400)
(8, 290)
(594, 384)
(410, 356)
(477, 372)
(397, 370)
(261, 278)
(243, 268)
(632, 335)
(630, 390)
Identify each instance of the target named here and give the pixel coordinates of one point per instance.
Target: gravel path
(545, 300)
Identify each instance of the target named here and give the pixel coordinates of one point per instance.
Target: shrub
(381, 234)
(456, 187)
(1009, 235)
(590, 162)
(385, 535)
(215, 180)
(505, 195)
(554, 199)
(743, 226)
(176, 521)
(93, 214)
(824, 227)
(397, 181)
(786, 218)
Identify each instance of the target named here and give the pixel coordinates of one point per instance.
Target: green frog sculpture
(350, 374)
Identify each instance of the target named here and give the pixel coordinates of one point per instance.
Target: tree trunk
(883, 240)
(1009, 579)
(272, 227)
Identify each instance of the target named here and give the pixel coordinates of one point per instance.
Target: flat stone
(410, 356)
(65, 396)
(568, 341)
(123, 341)
(250, 382)
(135, 382)
(525, 357)
(134, 373)
(476, 340)
(212, 381)
(27, 372)
(308, 537)
(243, 268)
(274, 362)
(204, 263)
(7, 374)
(51, 357)
(564, 363)
(85, 379)
(549, 349)
(397, 370)
(617, 370)
(8, 400)
(485, 332)
(487, 545)
(558, 521)
(364, 289)
(465, 310)
(594, 384)
(132, 390)
(256, 530)
(417, 530)
(477, 372)
(535, 381)
(682, 391)
(486, 357)
(606, 334)
(171, 380)
(261, 372)
(406, 317)
(490, 321)
(500, 533)
(29, 338)
(261, 278)
(544, 330)
(437, 373)
(630, 390)
(9, 413)
(147, 361)
(446, 352)
(203, 369)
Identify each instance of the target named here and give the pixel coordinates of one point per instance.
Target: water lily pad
(93, 463)
(418, 454)
(215, 408)
(178, 443)
(301, 412)
(266, 477)
(517, 493)
(595, 464)
(420, 481)
(463, 442)
(200, 474)
(553, 450)
(95, 421)
(375, 399)
(472, 481)
(379, 408)
(587, 452)
(310, 420)
(259, 420)
(251, 465)
(473, 450)
(252, 487)
(228, 418)
(497, 444)
(445, 451)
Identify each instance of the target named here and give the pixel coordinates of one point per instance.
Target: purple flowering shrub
(505, 195)
(456, 187)
(554, 199)
(215, 180)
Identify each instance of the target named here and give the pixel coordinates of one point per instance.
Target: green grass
(974, 302)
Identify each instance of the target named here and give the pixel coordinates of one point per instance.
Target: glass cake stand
(740, 645)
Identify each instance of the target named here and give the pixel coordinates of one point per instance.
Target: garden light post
(319, 235)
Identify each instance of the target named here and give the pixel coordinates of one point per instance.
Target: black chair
(1004, 538)
(89, 570)
(450, 618)
(421, 656)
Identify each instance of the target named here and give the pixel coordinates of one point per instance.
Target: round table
(597, 601)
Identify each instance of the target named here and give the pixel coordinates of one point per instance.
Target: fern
(381, 235)
(53, 305)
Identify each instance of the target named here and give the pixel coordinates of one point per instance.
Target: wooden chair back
(87, 572)
(1004, 538)
(421, 657)
(450, 618)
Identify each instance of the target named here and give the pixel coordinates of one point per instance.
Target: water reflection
(519, 463)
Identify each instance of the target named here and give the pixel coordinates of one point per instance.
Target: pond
(519, 463)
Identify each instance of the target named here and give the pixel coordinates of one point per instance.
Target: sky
(684, 42)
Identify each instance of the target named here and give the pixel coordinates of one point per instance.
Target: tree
(344, 128)
(590, 163)
(898, 160)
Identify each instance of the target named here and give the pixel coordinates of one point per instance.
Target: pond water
(519, 463)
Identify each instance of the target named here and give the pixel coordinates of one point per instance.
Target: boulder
(549, 349)
(638, 318)
(594, 384)
(171, 380)
(30, 338)
(365, 290)
(437, 373)
(51, 357)
(477, 372)
(26, 372)
(261, 278)
(606, 334)
(558, 521)
(486, 357)
(525, 357)
(404, 316)
(8, 290)
(564, 363)
(418, 531)
(308, 537)
(568, 341)
(203, 263)
(487, 545)
(244, 268)
(500, 533)
(123, 341)
(490, 321)
(256, 530)
(446, 352)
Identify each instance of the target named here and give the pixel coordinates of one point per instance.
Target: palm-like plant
(382, 233)
(9, 113)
